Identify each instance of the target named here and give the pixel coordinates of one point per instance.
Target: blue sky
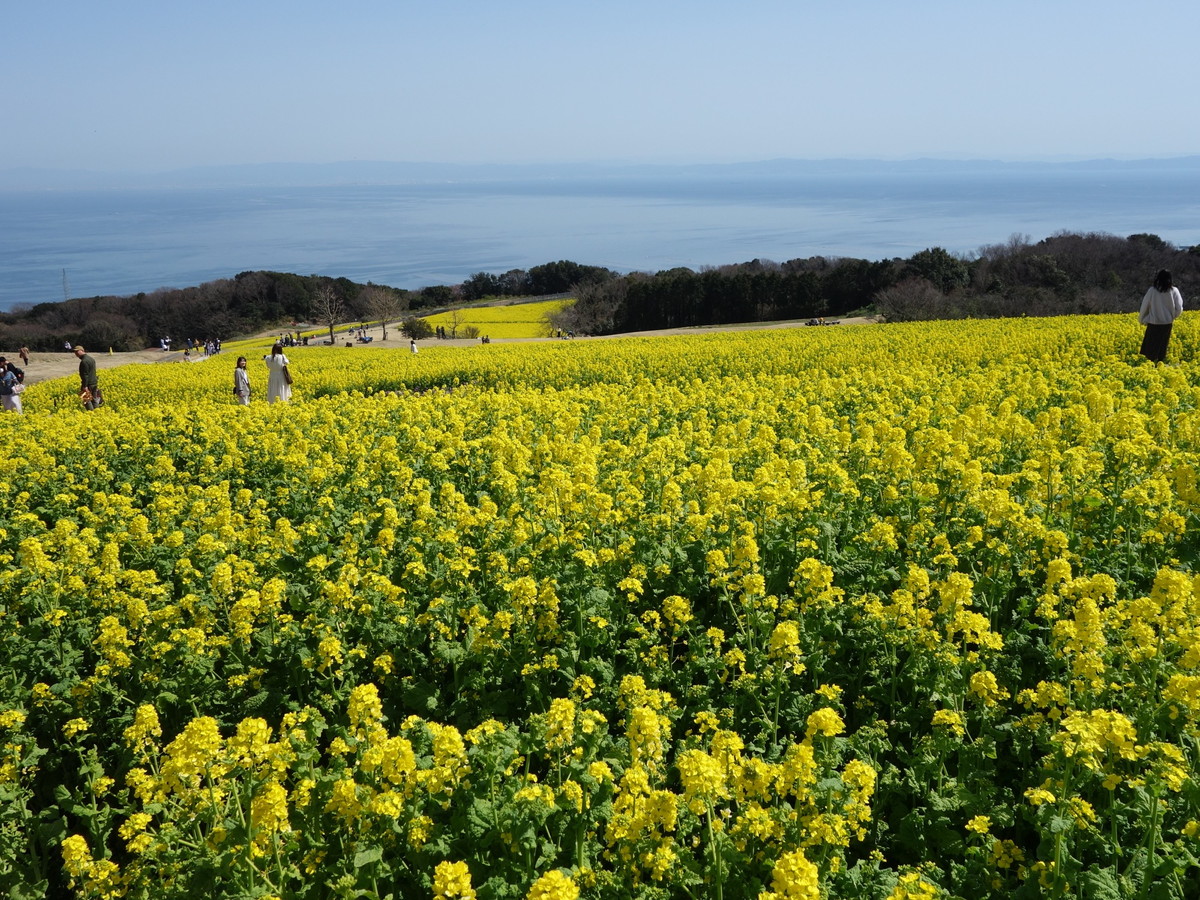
(127, 85)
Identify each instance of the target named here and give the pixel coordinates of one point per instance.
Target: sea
(78, 241)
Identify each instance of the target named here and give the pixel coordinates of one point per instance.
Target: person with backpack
(11, 385)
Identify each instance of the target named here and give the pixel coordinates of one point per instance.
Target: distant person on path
(24, 354)
(412, 345)
(1161, 306)
(10, 396)
(241, 382)
(279, 383)
(89, 383)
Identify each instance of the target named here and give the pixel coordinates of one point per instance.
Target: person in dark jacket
(89, 382)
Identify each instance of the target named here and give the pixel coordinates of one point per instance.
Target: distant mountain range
(363, 172)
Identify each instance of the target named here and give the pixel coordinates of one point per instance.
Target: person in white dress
(279, 382)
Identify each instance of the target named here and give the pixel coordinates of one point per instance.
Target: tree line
(1065, 273)
(223, 309)
(1062, 274)
(559, 277)
(261, 300)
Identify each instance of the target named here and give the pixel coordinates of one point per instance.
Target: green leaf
(1059, 824)
(480, 815)
(367, 857)
(1101, 884)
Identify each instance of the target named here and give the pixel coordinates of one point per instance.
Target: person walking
(1161, 306)
(89, 382)
(24, 354)
(279, 382)
(241, 382)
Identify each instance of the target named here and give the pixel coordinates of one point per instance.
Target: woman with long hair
(1161, 306)
(279, 382)
(241, 382)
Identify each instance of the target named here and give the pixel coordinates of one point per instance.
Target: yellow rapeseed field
(874, 612)
(517, 320)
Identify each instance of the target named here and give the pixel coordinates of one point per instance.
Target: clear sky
(151, 85)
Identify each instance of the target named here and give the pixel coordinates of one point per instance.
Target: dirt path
(46, 366)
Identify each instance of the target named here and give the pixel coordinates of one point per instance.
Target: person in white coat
(279, 382)
(1161, 306)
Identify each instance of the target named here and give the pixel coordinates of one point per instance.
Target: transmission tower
(66, 289)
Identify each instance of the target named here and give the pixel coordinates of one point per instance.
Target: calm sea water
(125, 241)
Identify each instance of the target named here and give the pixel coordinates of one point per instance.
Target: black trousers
(1154, 344)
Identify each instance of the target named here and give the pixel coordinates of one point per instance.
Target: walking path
(46, 366)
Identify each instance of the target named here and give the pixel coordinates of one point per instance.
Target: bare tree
(456, 320)
(328, 307)
(598, 308)
(385, 304)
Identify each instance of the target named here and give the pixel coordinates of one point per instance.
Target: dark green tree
(939, 268)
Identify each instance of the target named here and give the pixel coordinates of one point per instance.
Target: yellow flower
(1039, 796)
(193, 753)
(830, 691)
(140, 736)
(1006, 854)
(784, 644)
(826, 722)
(77, 857)
(677, 611)
(793, 878)
(583, 686)
(703, 779)
(948, 718)
(554, 885)
(269, 810)
(647, 732)
(452, 881)
(1088, 736)
(365, 710)
(980, 825)
(330, 653)
(912, 886)
(12, 718)
(133, 830)
(560, 724)
(343, 800)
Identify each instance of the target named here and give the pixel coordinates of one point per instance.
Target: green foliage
(416, 328)
(940, 268)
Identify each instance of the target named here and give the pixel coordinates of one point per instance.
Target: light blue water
(125, 241)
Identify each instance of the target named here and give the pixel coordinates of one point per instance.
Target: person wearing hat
(89, 383)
